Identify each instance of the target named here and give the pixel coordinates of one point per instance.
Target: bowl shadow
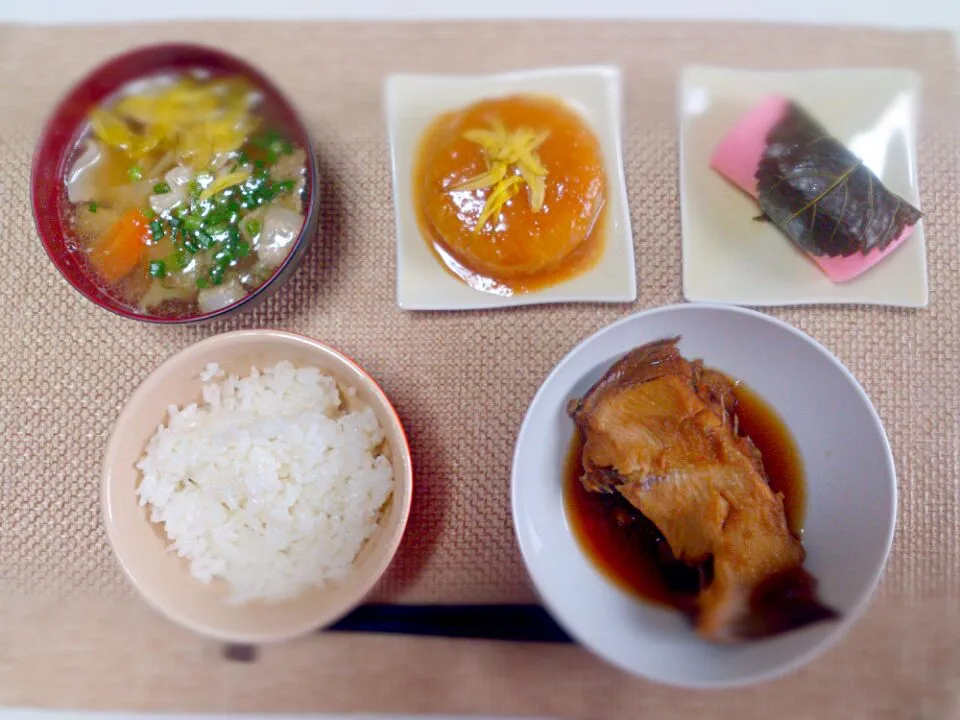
(429, 504)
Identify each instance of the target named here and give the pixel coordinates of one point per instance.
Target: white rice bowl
(267, 484)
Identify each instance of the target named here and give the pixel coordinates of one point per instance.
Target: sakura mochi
(814, 189)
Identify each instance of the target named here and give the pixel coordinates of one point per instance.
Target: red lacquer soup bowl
(57, 149)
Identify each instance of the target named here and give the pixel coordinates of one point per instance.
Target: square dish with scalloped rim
(413, 101)
(729, 257)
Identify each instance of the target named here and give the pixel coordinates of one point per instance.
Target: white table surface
(885, 13)
(902, 14)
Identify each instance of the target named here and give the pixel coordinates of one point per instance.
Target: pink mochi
(737, 158)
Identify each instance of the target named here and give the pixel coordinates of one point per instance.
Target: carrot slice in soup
(119, 250)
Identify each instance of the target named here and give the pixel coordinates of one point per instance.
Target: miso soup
(185, 195)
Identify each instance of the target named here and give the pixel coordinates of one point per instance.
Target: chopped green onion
(243, 248)
(242, 158)
(135, 173)
(223, 257)
(204, 240)
(158, 269)
(173, 222)
(192, 222)
(202, 282)
(156, 227)
(149, 214)
(252, 227)
(92, 207)
(260, 165)
(161, 188)
(220, 216)
(181, 260)
(216, 275)
(278, 146)
(268, 138)
(266, 193)
(220, 228)
(285, 186)
(190, 245)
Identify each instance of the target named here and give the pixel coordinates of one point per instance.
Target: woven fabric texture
(72, 632)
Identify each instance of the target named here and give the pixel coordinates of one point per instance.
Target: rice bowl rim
(400, 498)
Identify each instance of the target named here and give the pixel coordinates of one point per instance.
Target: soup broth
(185, 194)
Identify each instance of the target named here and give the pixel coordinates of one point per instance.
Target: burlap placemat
(72, 634)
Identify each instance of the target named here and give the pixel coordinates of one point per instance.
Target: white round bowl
(850, 482)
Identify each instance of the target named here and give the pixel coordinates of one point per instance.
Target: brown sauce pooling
(629, 549)
(519, 249)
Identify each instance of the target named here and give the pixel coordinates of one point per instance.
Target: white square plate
(413, 101)
(728, 257)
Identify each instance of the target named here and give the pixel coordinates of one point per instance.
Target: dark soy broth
(628, 548)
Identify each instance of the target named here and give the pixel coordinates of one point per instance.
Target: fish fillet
(662, 432)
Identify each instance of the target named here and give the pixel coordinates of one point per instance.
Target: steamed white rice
(267, 483)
